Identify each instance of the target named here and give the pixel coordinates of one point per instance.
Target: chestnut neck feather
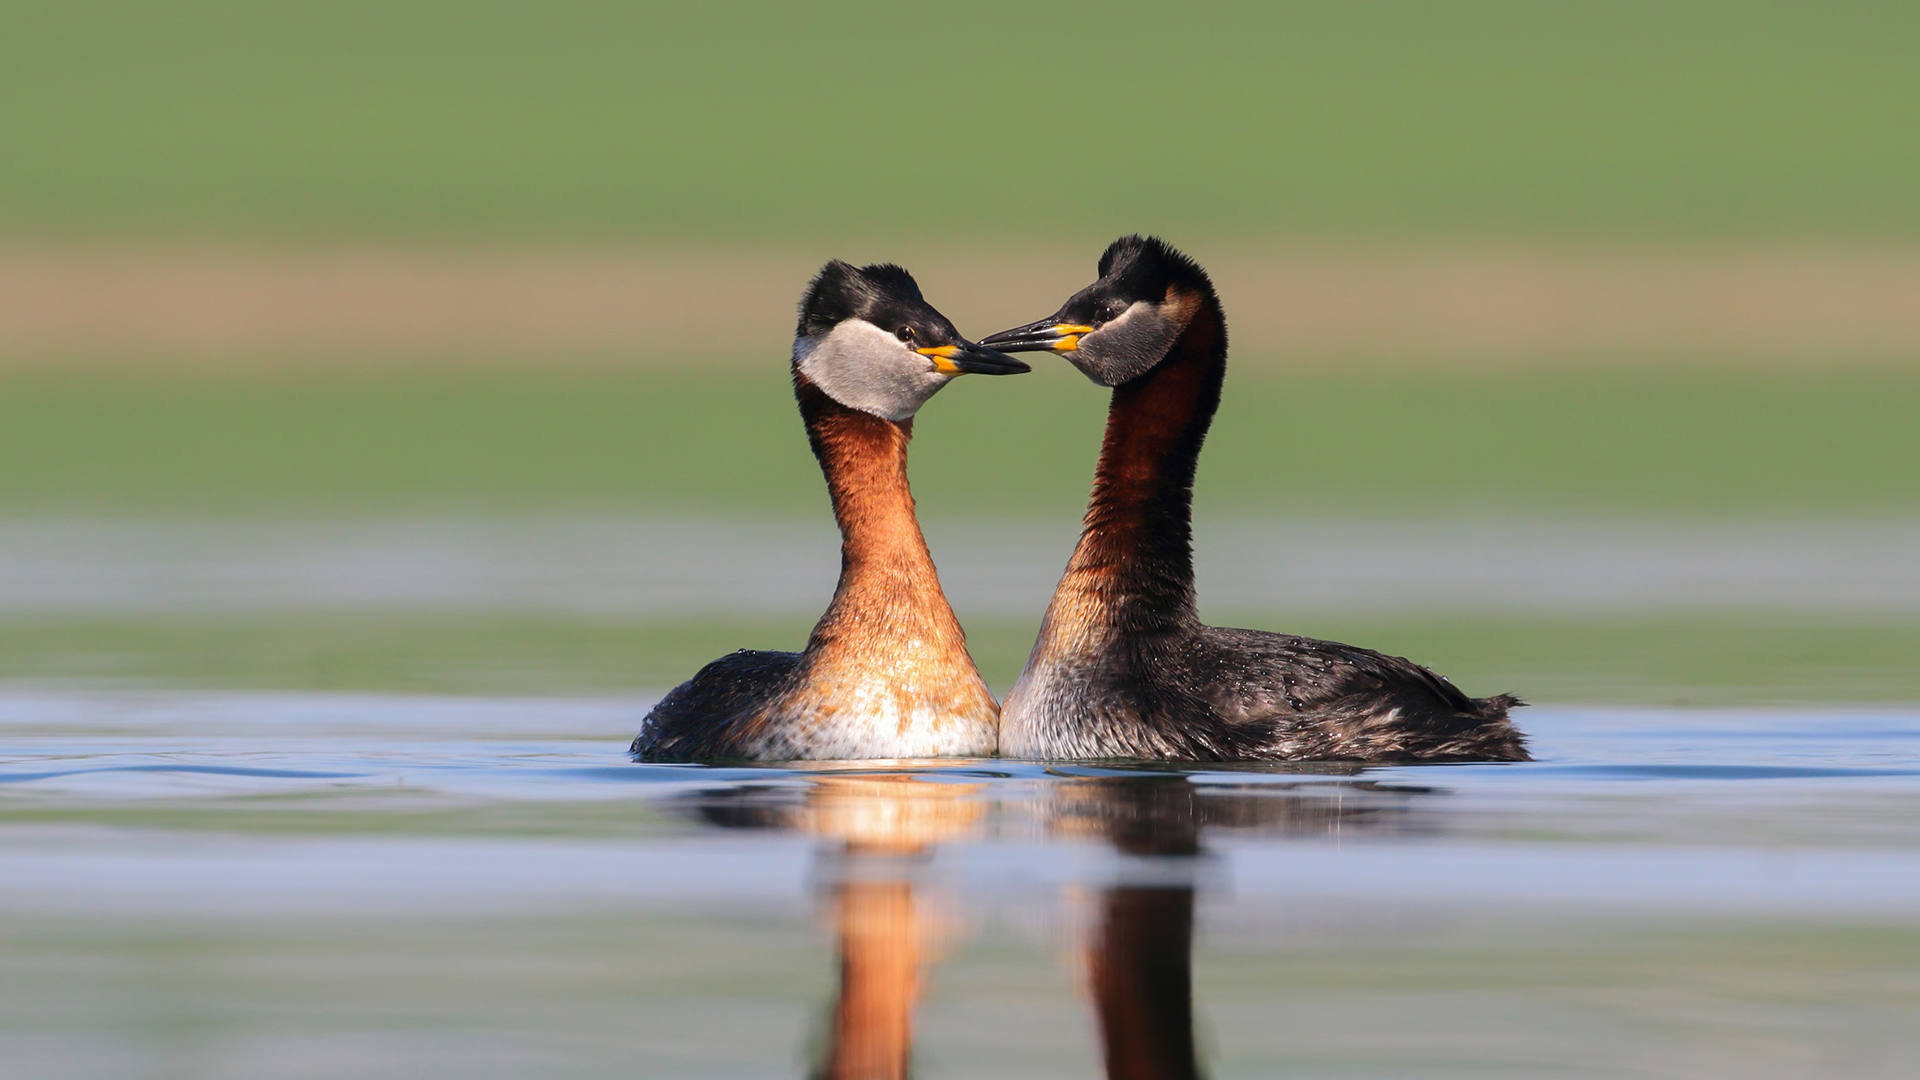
(888, 585)
(1135, 558)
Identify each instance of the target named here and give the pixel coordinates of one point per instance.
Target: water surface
(289, 885)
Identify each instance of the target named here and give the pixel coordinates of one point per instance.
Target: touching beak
(967, 358)
(1047, 335)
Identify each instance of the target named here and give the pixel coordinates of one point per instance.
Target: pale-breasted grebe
(1123, 666)
(885, 673)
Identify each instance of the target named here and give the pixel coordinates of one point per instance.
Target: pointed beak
(1047, 335)
(967, 358)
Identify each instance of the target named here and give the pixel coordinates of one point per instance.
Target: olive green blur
(1065, 119)
(1631, 440)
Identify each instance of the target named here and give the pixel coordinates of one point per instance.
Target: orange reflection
(1139, 955)
(883, 946)
(886, 938)
(888, 815)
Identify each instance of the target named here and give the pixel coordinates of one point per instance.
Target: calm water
(303, 885)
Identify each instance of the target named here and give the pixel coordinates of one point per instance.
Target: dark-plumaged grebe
(885, 673)
(1123, 666)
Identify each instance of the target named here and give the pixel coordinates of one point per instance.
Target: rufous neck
(1136, 550)
(884, 562)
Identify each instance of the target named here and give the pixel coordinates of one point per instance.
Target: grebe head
(1120, 326)
(871, 342)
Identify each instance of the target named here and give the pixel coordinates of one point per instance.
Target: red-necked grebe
(1123, 666)
(885, 673)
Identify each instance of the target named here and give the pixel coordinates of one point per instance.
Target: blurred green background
(1679, 440)
(749, 121)
(729, 127)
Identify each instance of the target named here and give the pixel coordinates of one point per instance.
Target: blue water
(294, 885)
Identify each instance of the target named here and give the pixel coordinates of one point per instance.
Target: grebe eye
(905, 333)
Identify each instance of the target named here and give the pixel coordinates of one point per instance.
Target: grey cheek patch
(863, 367)
(1127, 347)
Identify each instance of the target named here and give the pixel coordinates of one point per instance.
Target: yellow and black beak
(966, 358)
(1047, 335)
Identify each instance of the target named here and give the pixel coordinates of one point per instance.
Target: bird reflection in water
(1139, 955)
(882, 828)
